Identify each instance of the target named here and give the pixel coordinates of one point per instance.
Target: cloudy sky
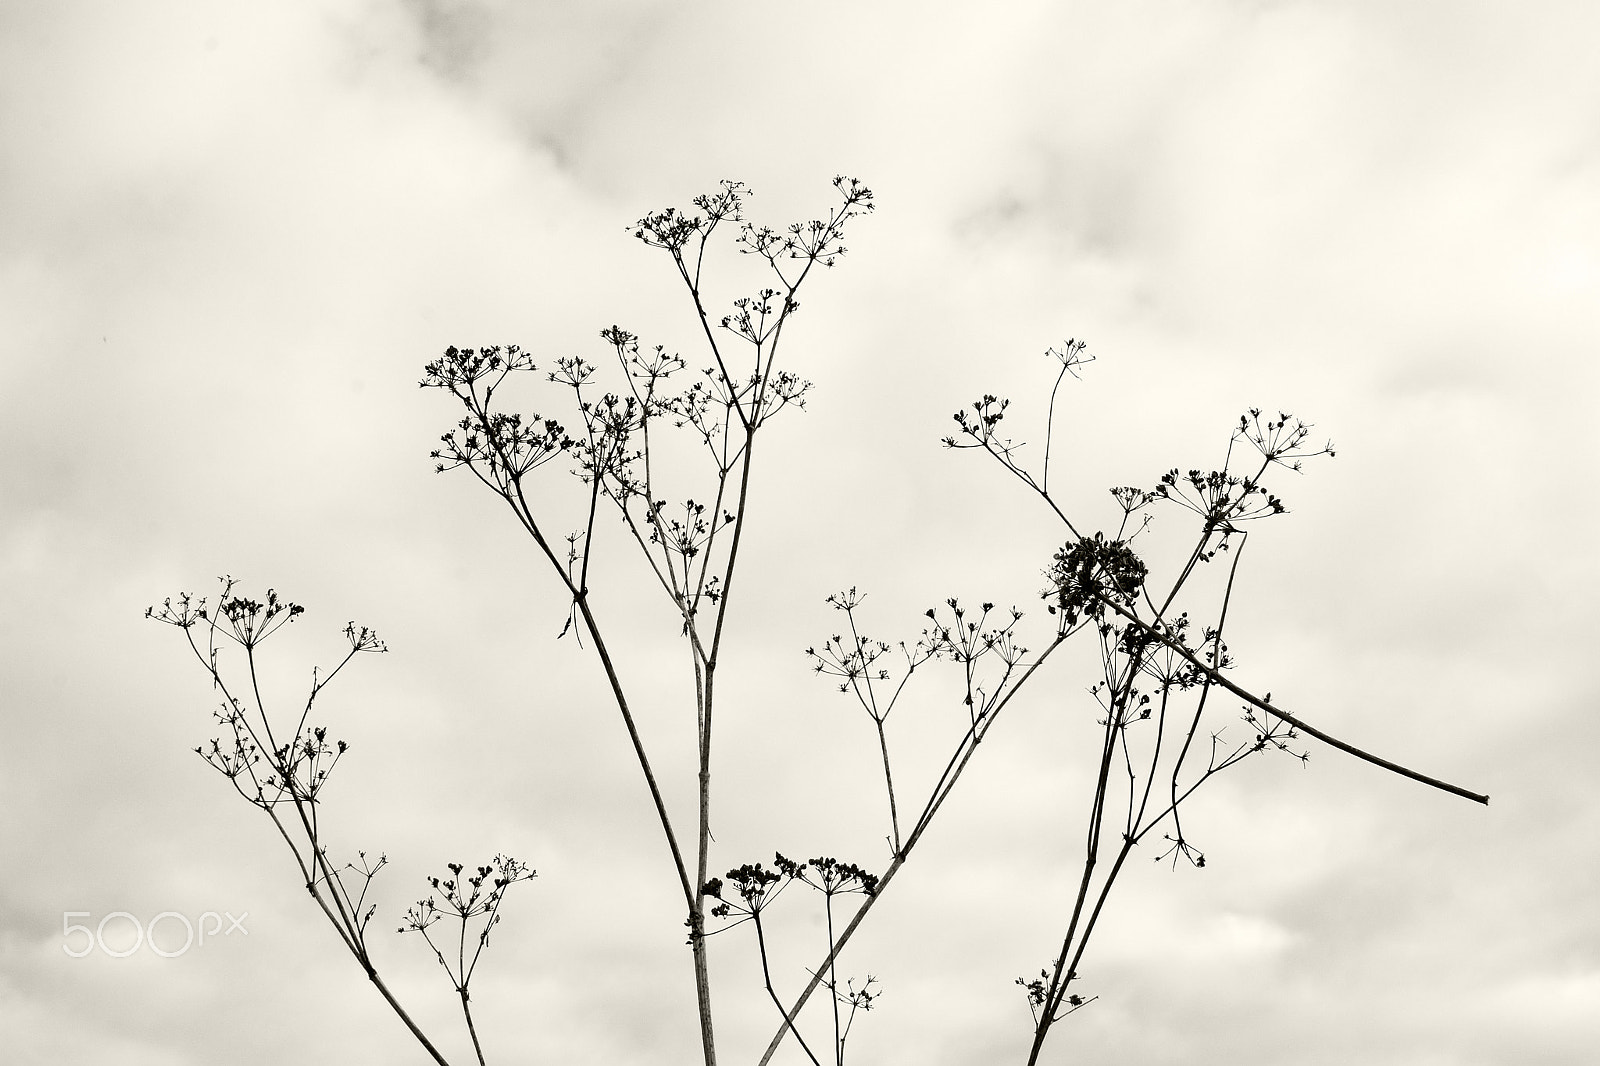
(231, 234)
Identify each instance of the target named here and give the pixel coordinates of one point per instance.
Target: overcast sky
(231, 234)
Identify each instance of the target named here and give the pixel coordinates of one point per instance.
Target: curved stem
(1288, 719)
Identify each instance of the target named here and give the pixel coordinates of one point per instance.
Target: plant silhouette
(664, 454)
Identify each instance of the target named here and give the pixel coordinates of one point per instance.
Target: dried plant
(667, 455)
(284, 771)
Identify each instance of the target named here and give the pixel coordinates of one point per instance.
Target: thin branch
(1289, 719)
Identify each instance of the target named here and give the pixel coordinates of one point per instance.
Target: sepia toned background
(231, 235)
